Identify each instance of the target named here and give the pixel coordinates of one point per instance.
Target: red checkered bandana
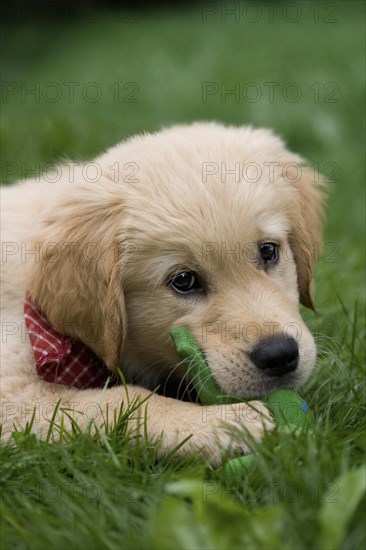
(61, 359)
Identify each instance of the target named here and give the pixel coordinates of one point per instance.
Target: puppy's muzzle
(276, 356)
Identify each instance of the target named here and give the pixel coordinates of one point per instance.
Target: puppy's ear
(76, 281)
(306, 222)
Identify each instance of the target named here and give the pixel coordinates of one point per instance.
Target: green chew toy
(287, 406)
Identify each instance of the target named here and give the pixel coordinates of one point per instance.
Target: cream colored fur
(161, 202)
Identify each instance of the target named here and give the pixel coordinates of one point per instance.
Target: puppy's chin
(260, 385)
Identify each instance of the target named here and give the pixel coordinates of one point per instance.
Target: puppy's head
(217, 230)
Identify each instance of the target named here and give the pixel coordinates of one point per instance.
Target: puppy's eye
(269, 252)
(185, 282)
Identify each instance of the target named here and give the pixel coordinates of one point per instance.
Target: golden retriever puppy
(205, 226)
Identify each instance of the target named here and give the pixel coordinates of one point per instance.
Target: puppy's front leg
(217, 428)
(208, 428)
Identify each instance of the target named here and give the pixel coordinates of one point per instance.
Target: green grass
(97, 492)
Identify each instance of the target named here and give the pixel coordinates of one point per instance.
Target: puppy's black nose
(276, 356)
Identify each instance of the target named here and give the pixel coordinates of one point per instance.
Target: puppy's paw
(229, 428)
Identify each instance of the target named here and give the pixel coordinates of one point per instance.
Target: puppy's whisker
(326, 345)
(170, 374)
(195, 379)
(333, 355)
(188, 375)
(325, 339)
(172, 370)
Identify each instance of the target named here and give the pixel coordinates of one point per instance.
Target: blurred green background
(101, 74)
